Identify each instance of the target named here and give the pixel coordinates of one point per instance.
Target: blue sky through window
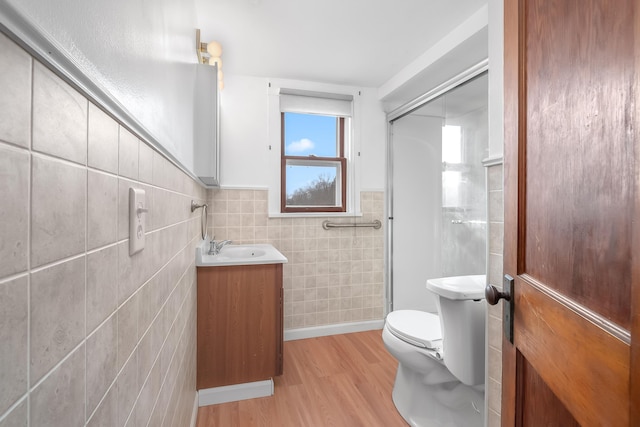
(305, 135)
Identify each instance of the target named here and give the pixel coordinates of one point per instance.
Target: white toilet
(440, 378)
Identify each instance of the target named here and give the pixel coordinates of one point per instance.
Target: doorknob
(493, 295)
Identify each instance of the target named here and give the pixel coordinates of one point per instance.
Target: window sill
(315, 215)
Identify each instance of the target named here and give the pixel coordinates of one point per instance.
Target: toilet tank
(462, 310)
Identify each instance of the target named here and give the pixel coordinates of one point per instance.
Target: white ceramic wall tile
(128, 154)
(59, 117)
(14, 339)
(147, 350)
(134, 270)
(494, 317)
(150, 390)
(496, 206)
(127, 386)
(15, 96)
(57, 314)
(14, 209)
(494, 395)
(17, 417)
(161, 406)
(170, 208)
(496, 235)
(103, 140)
(153, 298)
(59, 400)
(106, 415)
(127, 329)
(495, 269)
(160, 170)
(102, 227)
(102, 285)
(495, 178)
(56, 198)
(493, 419)
(494, 330)
(58, 210)
(145, 163)
(102, 349)
(495, 364)
(174, 235)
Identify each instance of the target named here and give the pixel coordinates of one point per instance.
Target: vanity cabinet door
(239, 324)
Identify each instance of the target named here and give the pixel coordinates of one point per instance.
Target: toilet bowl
(440, 381)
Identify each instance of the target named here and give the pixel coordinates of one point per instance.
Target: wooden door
(572, 212)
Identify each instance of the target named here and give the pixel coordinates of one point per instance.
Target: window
(451, 144)
(314, 135)
(313, 163)
(452, 167)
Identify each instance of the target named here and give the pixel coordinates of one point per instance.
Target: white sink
(242, 251)
(238, 255)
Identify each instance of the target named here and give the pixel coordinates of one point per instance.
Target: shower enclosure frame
(402, 111)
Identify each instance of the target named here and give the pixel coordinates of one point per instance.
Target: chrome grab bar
(328, 224)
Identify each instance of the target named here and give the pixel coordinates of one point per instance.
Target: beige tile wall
(89, 335)
(333, 276)
(494, 319)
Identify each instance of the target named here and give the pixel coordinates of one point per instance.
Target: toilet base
(448, 404)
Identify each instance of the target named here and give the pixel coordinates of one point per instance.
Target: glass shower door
(437, 193)
(465, 144)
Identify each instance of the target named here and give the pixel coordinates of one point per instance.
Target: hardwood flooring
(339, 380)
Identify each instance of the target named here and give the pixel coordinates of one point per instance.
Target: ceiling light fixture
(210, 53)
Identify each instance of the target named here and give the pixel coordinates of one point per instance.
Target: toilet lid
(416, 327)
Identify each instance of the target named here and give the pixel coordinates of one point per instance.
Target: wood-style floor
(339, 380)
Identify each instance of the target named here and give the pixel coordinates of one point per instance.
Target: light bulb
(220, 84)
(215, 49)
(220, 77)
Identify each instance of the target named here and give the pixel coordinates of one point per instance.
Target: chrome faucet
(214, 247)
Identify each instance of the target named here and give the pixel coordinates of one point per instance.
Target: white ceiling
(352, 42)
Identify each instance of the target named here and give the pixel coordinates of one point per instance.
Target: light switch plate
(137, 220)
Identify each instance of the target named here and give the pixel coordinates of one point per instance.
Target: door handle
(493, 295)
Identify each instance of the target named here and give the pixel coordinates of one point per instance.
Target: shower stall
(436, 195)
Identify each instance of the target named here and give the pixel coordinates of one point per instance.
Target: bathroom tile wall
(90, 335)
(333, 276)
(494, 315)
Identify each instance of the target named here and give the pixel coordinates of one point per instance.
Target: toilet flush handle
(493, 295)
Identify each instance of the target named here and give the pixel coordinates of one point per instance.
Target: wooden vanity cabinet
(240, 330)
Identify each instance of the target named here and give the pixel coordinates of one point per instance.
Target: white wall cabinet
(206, 153)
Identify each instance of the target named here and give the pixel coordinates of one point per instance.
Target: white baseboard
(194, 413)
(339, 328)
(233, 393)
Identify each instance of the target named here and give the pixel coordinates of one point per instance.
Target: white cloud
(300, 146)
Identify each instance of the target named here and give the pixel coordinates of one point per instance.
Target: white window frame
(351, 143)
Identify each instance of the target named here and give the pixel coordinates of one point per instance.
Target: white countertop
(238, 255)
